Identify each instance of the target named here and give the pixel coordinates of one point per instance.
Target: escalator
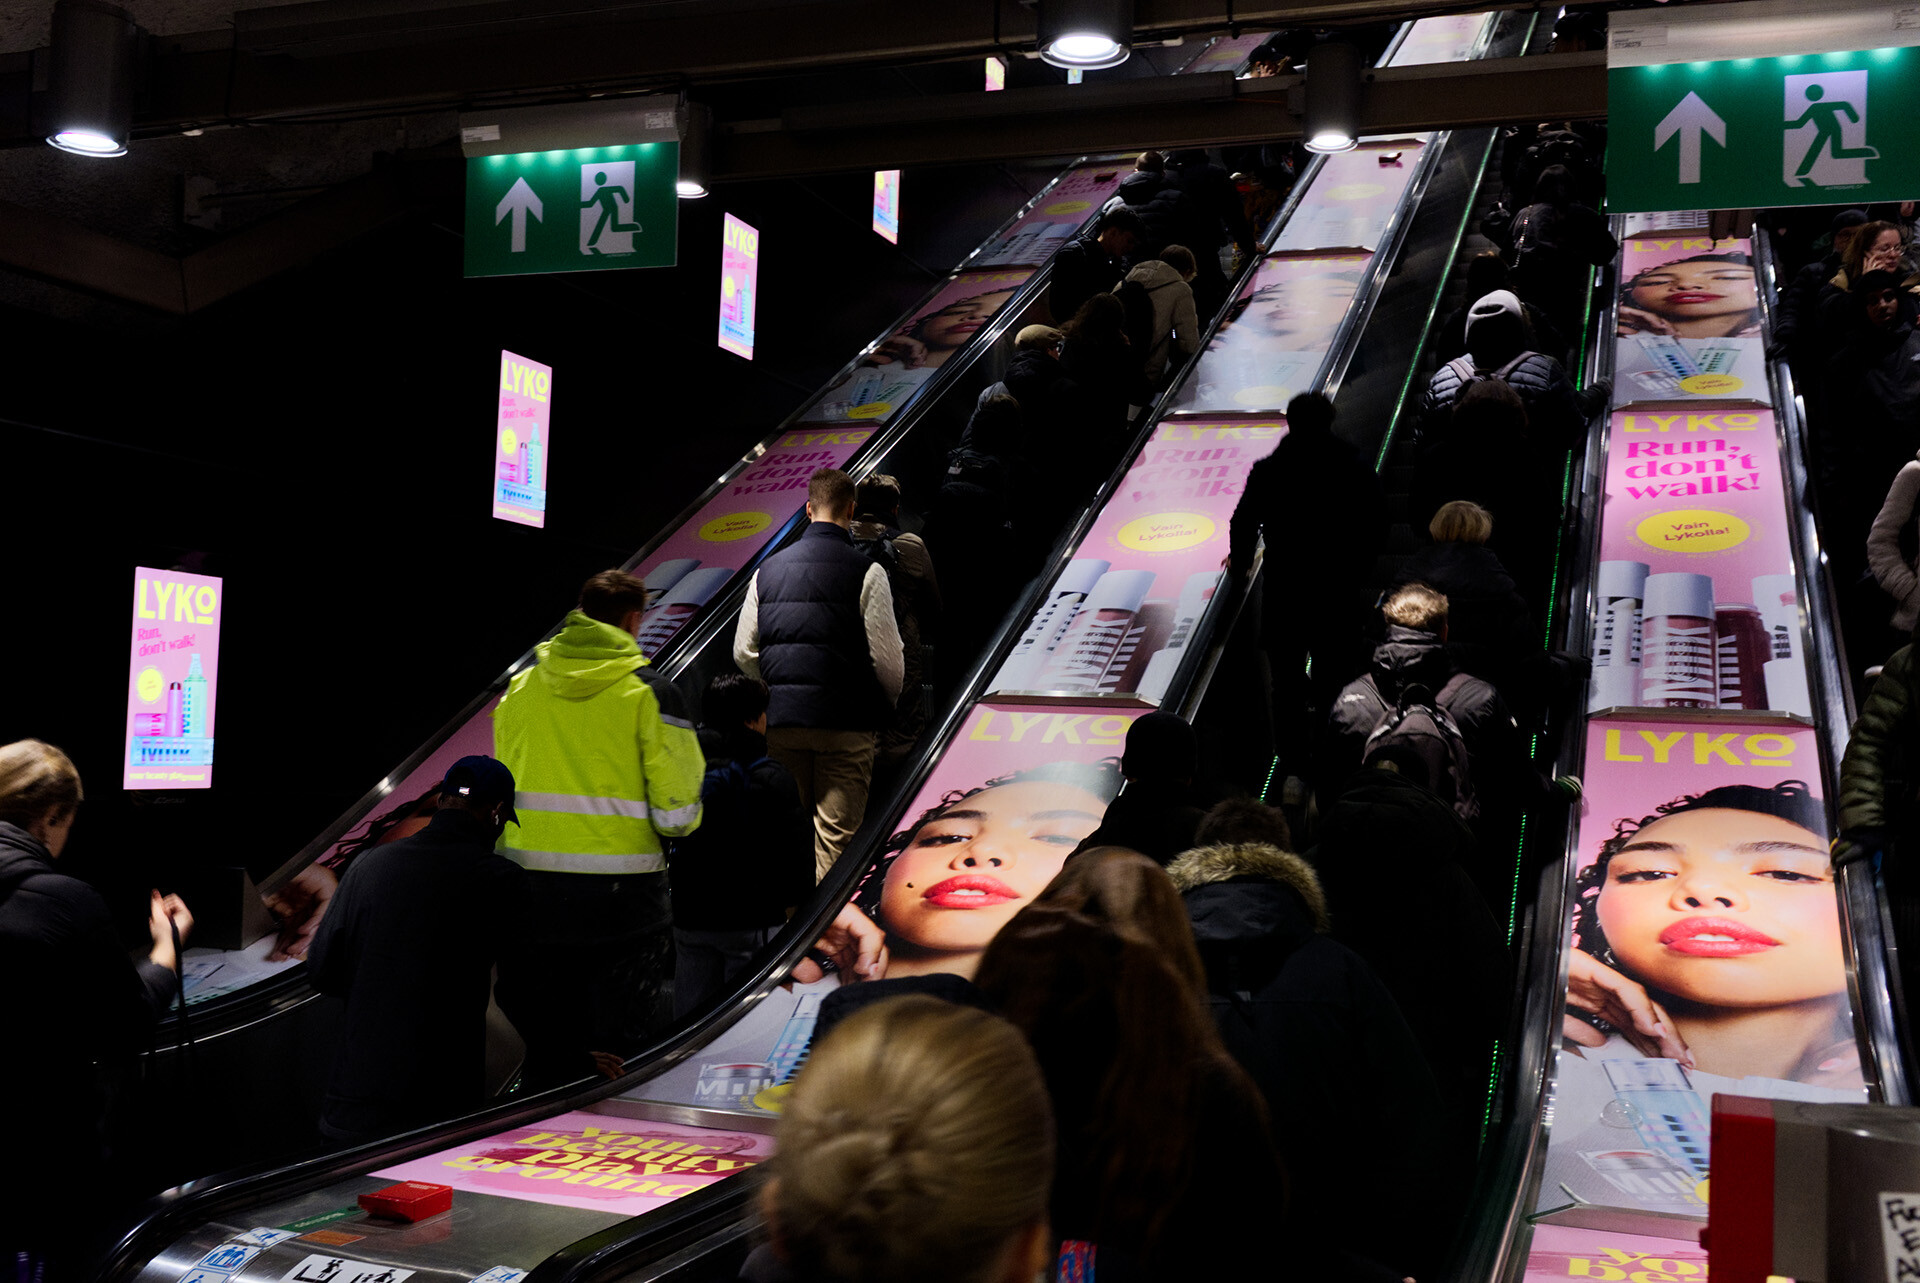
(1130, 612)
(1697, 871)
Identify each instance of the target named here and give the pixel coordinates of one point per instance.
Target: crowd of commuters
(1217, 1013)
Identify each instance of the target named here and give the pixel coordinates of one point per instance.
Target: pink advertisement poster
(739, 285)
(171, 679)
(1353, 198)
(1705, 955)
(1697, 605)
(1275, 336)
(520, 444)
(886, 204)
(1060, 213)
(1688, 323)
(894, 372)
(600, 1162)
(1117, 621)
(1562, 1252)
(1445, 39)
(1225, 54)
(685, 572)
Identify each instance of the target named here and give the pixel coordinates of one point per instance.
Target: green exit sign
(585, 210)
(1806, 129)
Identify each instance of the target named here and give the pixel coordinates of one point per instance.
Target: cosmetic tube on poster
(1668, 1113)
(1616, 635)
(1668, 356)
(1742, 651)
(1088, 648)
(1778, 597)
(659, 625)
(175, 722)
(534, 452)
(1054, 617)
(1151, 627)
(666, 575)
(193, 704)
(1194, 596)
(1046, 241)
(796, 1038)
(1676, 643)
(1717, 356)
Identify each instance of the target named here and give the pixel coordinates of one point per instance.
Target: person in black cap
(1154, 814)
(410, 942)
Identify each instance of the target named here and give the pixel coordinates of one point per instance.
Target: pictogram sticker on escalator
(338, 1269)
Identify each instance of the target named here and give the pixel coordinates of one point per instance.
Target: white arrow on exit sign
(520, 201)
(1690, 119)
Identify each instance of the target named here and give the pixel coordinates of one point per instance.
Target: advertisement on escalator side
(1697, 604)
(1031, 782)
(1562, 1252)
(600, 1162)
(520, 441)
(1688, 324)
(172, 674)
(1119, 618)
(1705, 956)
(894, 372)
(1353, 199)
(1275, 335)
(1060, 213)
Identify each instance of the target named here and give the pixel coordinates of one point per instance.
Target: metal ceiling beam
(1189, 111)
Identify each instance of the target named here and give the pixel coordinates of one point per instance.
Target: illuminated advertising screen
(996, 73)
(175, 657)
(886, 203)
(739, 286)
(520, 441)
(1688, 326)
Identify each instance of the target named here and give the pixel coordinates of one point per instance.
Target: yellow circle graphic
(1263, 396)
(871, 410)
(772, 1099)
(1167, 532)
(1712, 384)
(150, 685)
(1693, 530)
(1067, 207)
(735, 525)
(509, 443)
(1357, 191)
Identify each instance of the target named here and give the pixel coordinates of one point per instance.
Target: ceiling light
(1332, 120)
(692, 183)
(1085, 34)
(90, 111)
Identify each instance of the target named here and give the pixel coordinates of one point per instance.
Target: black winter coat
(1080, 269)
(751, 859)
(1486, 616)
(814, 651)
(1355, 1110)
(1409, 656)
(1320, 503)
(1170, 216)
(1553, 411)
(1218, 211)
(68, 997)
(1158, 821)
(409, 942)
(1880, 774)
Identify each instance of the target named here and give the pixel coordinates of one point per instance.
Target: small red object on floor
(408, 1201)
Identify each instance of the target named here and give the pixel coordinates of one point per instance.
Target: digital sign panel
(739, 285)
(520, 441)
(886, 203)
(175, 656)
(996, 73)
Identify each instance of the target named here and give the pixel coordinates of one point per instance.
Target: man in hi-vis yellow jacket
(607, 765)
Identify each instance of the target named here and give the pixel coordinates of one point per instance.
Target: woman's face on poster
(968, 871)
(1307, 308)
(1696, 291)
(1725, 908)
(955, 323)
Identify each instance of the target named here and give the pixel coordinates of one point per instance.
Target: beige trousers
(833, 769)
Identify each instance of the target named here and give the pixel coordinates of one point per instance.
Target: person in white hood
(1176, 323)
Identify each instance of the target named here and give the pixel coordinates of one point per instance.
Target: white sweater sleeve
(883, 633)
(746, 634)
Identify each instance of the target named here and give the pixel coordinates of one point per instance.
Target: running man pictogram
(1824, 115)
(603, 189)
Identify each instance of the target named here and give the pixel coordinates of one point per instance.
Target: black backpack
(1419, 724)
(881, 552)
(1138, 300)
(1536, 240)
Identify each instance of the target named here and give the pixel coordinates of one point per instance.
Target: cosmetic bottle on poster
(1087, 649)
(665, 576)
(1194, 596)
(1742, 651)
(1668, 356)
(1151, 627)
(176, 718)
(531, 451)
(796, 1038)
(865, 388)
(1054, 617)
(1717, 356)
(1667, 1112)
(1616, 635)
(1677, 643)
(1778, 597)
(193, 705)
(659, 625)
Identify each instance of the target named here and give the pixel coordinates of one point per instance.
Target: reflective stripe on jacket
(603, 755)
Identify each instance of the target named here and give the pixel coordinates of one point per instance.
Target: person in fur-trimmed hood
(1356, 1112)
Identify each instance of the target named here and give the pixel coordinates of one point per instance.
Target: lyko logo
(1825, 144)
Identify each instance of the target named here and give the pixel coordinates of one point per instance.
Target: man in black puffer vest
(817, 626)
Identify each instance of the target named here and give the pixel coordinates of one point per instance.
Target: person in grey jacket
(1897, 577)
(1176, 324)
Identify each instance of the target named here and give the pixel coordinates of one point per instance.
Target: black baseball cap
(482, 778)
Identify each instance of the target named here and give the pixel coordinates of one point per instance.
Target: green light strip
(1272, 767)
(1493, 1085)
